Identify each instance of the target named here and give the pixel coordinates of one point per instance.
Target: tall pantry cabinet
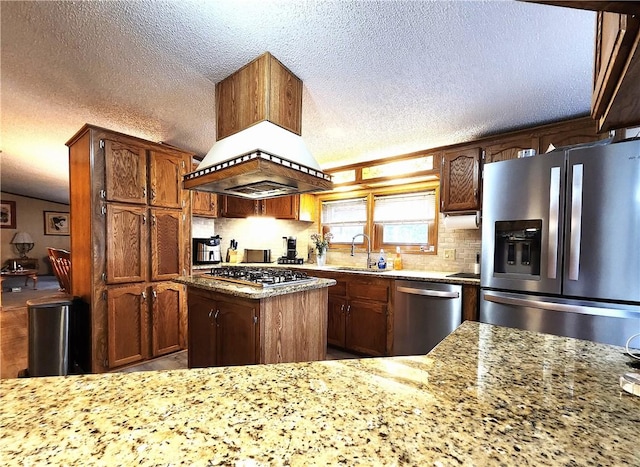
(130, 231)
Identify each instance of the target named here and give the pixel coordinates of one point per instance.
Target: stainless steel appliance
(257, 256)
(260, 277)
(425, 313)
(561, 242)
(291, 254)
(207, 250)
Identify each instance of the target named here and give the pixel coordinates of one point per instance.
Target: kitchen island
(233, 323)
(486, 395)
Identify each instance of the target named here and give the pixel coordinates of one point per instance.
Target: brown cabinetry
(135, 219)
(358, 314)
(616, 94)
(203, 203)
(221, 333)
(128, 319)
(261, 90)
(227, 330)
(460, 180)
(294, 207)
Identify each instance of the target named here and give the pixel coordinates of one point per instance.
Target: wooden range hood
(259, 152)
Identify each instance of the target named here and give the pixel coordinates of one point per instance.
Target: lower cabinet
(144, 320)
(359, 309)
(221, 333)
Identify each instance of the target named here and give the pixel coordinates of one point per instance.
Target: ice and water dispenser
(517, 247)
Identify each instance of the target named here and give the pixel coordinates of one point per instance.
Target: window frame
(374, 231)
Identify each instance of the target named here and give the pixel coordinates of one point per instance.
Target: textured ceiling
(380, 77)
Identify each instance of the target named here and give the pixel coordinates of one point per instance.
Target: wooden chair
(61, 264)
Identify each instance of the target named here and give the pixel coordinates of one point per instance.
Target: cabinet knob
(144, 191)
(153, 193)
(216, 317)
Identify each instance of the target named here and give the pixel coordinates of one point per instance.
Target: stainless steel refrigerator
(561, 242)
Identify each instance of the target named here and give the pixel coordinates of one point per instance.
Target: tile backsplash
(267, 233)
(255, 233)
(466, 243)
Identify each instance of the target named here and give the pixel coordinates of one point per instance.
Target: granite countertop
(406, 274)
(248, 291)
(486, 395)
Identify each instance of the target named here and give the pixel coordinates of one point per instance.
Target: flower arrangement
(321, 242)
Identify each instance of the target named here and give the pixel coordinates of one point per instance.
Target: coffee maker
(290, 255)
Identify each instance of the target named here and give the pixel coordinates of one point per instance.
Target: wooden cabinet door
(125, 172)
(232, 206)
(283, 207)
(166, 242)
(165, 179)
(336, 321)
(127, 246)
(583, 131)
(236, 334)
(204, 204)
(460, 180)
(366, 327)
(128, 324)
(166, 303)
(507, 148)
(615, 37)
(201, 329)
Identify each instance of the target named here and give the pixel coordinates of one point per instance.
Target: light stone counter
(486, 395)
(405, 274)
(248, 291)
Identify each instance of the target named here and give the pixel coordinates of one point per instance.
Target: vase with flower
(321, 243)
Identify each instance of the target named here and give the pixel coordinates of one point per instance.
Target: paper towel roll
(467, 221)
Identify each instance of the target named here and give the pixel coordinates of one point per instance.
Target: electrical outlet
(450, 254)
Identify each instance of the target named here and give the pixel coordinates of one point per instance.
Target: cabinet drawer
(338, 290)
(377, 291)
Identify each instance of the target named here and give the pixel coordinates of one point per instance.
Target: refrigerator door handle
(576, 222)
(555, 306)
(554, 216)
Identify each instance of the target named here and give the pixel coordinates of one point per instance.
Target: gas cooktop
(260, 277)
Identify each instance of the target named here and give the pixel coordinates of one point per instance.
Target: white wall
(30, 219)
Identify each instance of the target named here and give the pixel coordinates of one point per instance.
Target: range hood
(259, 153)
(259, 162)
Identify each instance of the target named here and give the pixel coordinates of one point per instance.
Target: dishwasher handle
(428, 292)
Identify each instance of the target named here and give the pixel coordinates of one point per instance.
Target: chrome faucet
(353, 245)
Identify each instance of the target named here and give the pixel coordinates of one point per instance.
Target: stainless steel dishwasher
(425, 313)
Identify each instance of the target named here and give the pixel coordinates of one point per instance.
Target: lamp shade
(22, 237)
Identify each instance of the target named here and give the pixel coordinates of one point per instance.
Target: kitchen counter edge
(247, 291)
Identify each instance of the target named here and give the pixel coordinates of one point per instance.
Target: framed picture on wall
(8, 214)
(56, 223)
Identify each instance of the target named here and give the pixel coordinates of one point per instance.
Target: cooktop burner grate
(260, 277)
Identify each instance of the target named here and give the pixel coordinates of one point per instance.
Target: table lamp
(23, 243)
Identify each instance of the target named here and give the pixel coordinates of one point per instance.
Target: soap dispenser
(382, 262)
(397, 261)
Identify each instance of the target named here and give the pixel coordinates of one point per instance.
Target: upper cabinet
(203, 203)
(294, 207)
(616, 93)
(460, 180)
(140, 176)
(244, 98)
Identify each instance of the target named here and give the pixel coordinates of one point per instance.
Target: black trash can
(49, 335)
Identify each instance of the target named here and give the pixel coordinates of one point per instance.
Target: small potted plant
(321, 243)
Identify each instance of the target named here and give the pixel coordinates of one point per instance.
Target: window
(405, 219)
(344, 218)
(391, 217)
